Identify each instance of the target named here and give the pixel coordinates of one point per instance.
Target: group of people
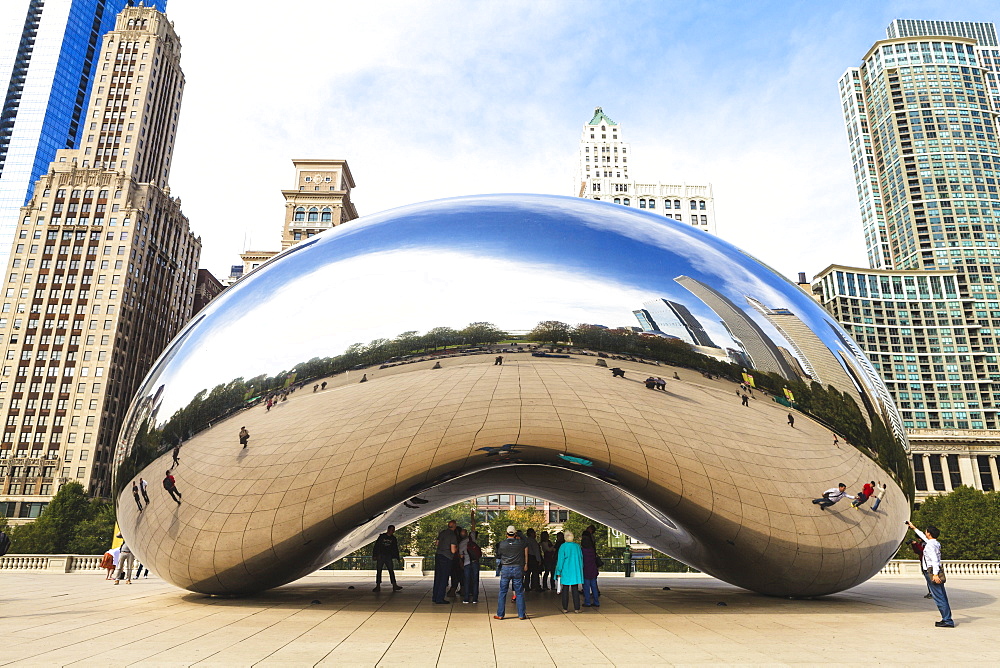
(456, 560)
(119, 563)
(138, 489)
(525, 562)
(835, 494)
(656, 383)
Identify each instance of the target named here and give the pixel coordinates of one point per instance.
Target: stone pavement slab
(84, 620)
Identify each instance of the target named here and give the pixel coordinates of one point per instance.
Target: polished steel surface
(388, 330)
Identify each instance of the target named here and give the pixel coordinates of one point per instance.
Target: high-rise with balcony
(921, 117)
(48, 59)
(101, 276)
(603, 174)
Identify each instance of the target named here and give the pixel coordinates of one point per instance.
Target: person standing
(177, 455)
(879, 493)
(142, 489)
(170, 484)
(447, 548)
(569, 571)
(930, 562)
(534, 561)
(831, 496)
(244, 436)
(385, 550)
(470, 553)
(513, 556)
(457, 569)
(126, 560)
(548, 560)
(918, 549)
(135, 495)
(588, 548)
(745, 400)
(108, 563)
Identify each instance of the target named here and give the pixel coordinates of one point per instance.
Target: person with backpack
(170, 484)
(470, 553)
(384, 551)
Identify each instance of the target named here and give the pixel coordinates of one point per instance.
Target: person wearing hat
(512, 553)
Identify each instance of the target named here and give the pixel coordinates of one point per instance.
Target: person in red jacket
(865, 494)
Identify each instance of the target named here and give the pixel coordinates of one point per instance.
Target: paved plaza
(322, 464)
(81, 619)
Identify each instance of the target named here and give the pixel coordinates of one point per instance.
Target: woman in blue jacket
(569, 571)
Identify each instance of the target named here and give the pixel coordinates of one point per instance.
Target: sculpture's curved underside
(723, 487)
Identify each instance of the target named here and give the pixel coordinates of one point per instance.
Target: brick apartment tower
(101, 274)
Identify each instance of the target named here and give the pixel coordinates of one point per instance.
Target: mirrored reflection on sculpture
(390, 332)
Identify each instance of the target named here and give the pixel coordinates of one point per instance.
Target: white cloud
(435, 99)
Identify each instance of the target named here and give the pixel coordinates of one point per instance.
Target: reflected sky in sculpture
(505, 266)
(721, 485)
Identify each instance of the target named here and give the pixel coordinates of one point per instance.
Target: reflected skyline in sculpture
(449, 282)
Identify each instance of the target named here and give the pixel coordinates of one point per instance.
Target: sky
(435, 99)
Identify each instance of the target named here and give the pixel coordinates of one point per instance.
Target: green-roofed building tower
(604, 175)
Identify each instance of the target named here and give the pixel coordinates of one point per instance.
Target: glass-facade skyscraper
(48, 56)
(921, 116)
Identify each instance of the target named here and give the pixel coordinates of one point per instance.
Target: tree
(442, 336)
(550, 331)
(94, 536)
(969, 520)
(521, 518)
(482, 332)
(60, 522)
(577, 523)
(425, 530)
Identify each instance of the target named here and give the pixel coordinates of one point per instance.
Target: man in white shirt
(930, 561)
(831, 496)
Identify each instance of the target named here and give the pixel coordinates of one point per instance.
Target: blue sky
(438, 99)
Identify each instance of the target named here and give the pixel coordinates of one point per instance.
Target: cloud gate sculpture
(389, 328)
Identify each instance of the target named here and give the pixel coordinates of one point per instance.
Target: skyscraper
(604, 175)
(101, 275)
(667, 317)
(763, 353)
(920, 112)
(48, 57)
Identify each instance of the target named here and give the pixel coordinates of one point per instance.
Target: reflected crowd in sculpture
(419, 357)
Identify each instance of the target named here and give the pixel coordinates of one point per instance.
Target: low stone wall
(57, 563)
(952, 567)
(75, 563)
